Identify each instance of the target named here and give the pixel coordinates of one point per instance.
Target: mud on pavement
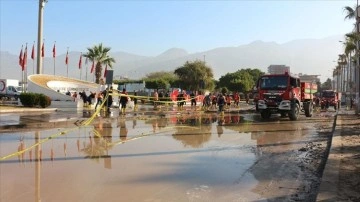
(341, 179)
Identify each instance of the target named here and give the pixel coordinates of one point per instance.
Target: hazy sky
(151, 27)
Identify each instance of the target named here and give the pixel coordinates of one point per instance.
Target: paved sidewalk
(341, 176)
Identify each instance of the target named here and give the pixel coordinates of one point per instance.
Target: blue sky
(151, 27)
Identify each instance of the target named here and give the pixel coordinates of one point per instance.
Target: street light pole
(39, 69)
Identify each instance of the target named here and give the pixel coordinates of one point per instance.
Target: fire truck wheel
(265, 114)
(294, 112)
(308, 109)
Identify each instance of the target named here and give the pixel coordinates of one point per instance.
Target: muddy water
(178, 157)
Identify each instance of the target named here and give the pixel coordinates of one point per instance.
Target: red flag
(54, 51)
(105, 70)
(67, 57)
(24, 59)
(92, 67)
(21, 57)
(42, 50)
(33, 52)
(80, 61)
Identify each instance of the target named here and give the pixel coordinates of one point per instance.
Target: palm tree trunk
(343, 80)
(98, 70)
(338, 81)
(349, 73)
(347, 76)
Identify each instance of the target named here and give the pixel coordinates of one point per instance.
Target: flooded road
(165, 156)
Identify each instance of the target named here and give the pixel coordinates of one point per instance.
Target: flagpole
(33, 66)
(21, 63)
(22, 79)
(43, 55)
(33, 60)
(25, 74)
(54, 56)
(67, 63)
(80, 64)
(86, 63)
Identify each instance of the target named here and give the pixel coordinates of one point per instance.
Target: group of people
(123, 100)
(161, 98)
(210, 101)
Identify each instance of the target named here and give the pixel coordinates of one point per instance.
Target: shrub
(28, 99)
(44, 101)
(35, 100)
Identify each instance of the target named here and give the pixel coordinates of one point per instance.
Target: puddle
(175, 157)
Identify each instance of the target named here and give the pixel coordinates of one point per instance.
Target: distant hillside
(308, 56)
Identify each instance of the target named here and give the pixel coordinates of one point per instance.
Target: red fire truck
(285, 94)
(329, 98)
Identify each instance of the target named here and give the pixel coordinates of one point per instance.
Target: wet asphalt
(160, 155)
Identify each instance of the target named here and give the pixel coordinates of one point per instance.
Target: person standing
(228, 101)
(221, 103)
(109, 100)
(193, 99)
(156, 98)
(236, 99)
(99, 99)
(167, 98)
(123, 101)
(135, 99)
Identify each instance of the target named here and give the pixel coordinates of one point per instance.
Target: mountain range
(306, 56)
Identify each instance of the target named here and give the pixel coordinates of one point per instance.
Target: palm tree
(350, 12)
(99, 55)
(350, 47)
(338, 80)
(342, 62)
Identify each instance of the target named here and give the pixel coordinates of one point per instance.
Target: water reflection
(191, 129)
(134, 123)
(123, 130)
(197, 134)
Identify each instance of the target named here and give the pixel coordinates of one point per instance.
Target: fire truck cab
(330, 98)
(284, 94)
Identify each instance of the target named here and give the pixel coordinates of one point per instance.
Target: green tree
(326, 85)
(242, 80)
(224, 90)
(161, 79)
(195, 75)
(156, 84)
(169, 76)
(255, 73)
(99, 55)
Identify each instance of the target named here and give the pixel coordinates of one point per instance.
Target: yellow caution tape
(96, 133)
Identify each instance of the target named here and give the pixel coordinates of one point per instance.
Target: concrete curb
(329, 183)
(24, 110)
(328, 190)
